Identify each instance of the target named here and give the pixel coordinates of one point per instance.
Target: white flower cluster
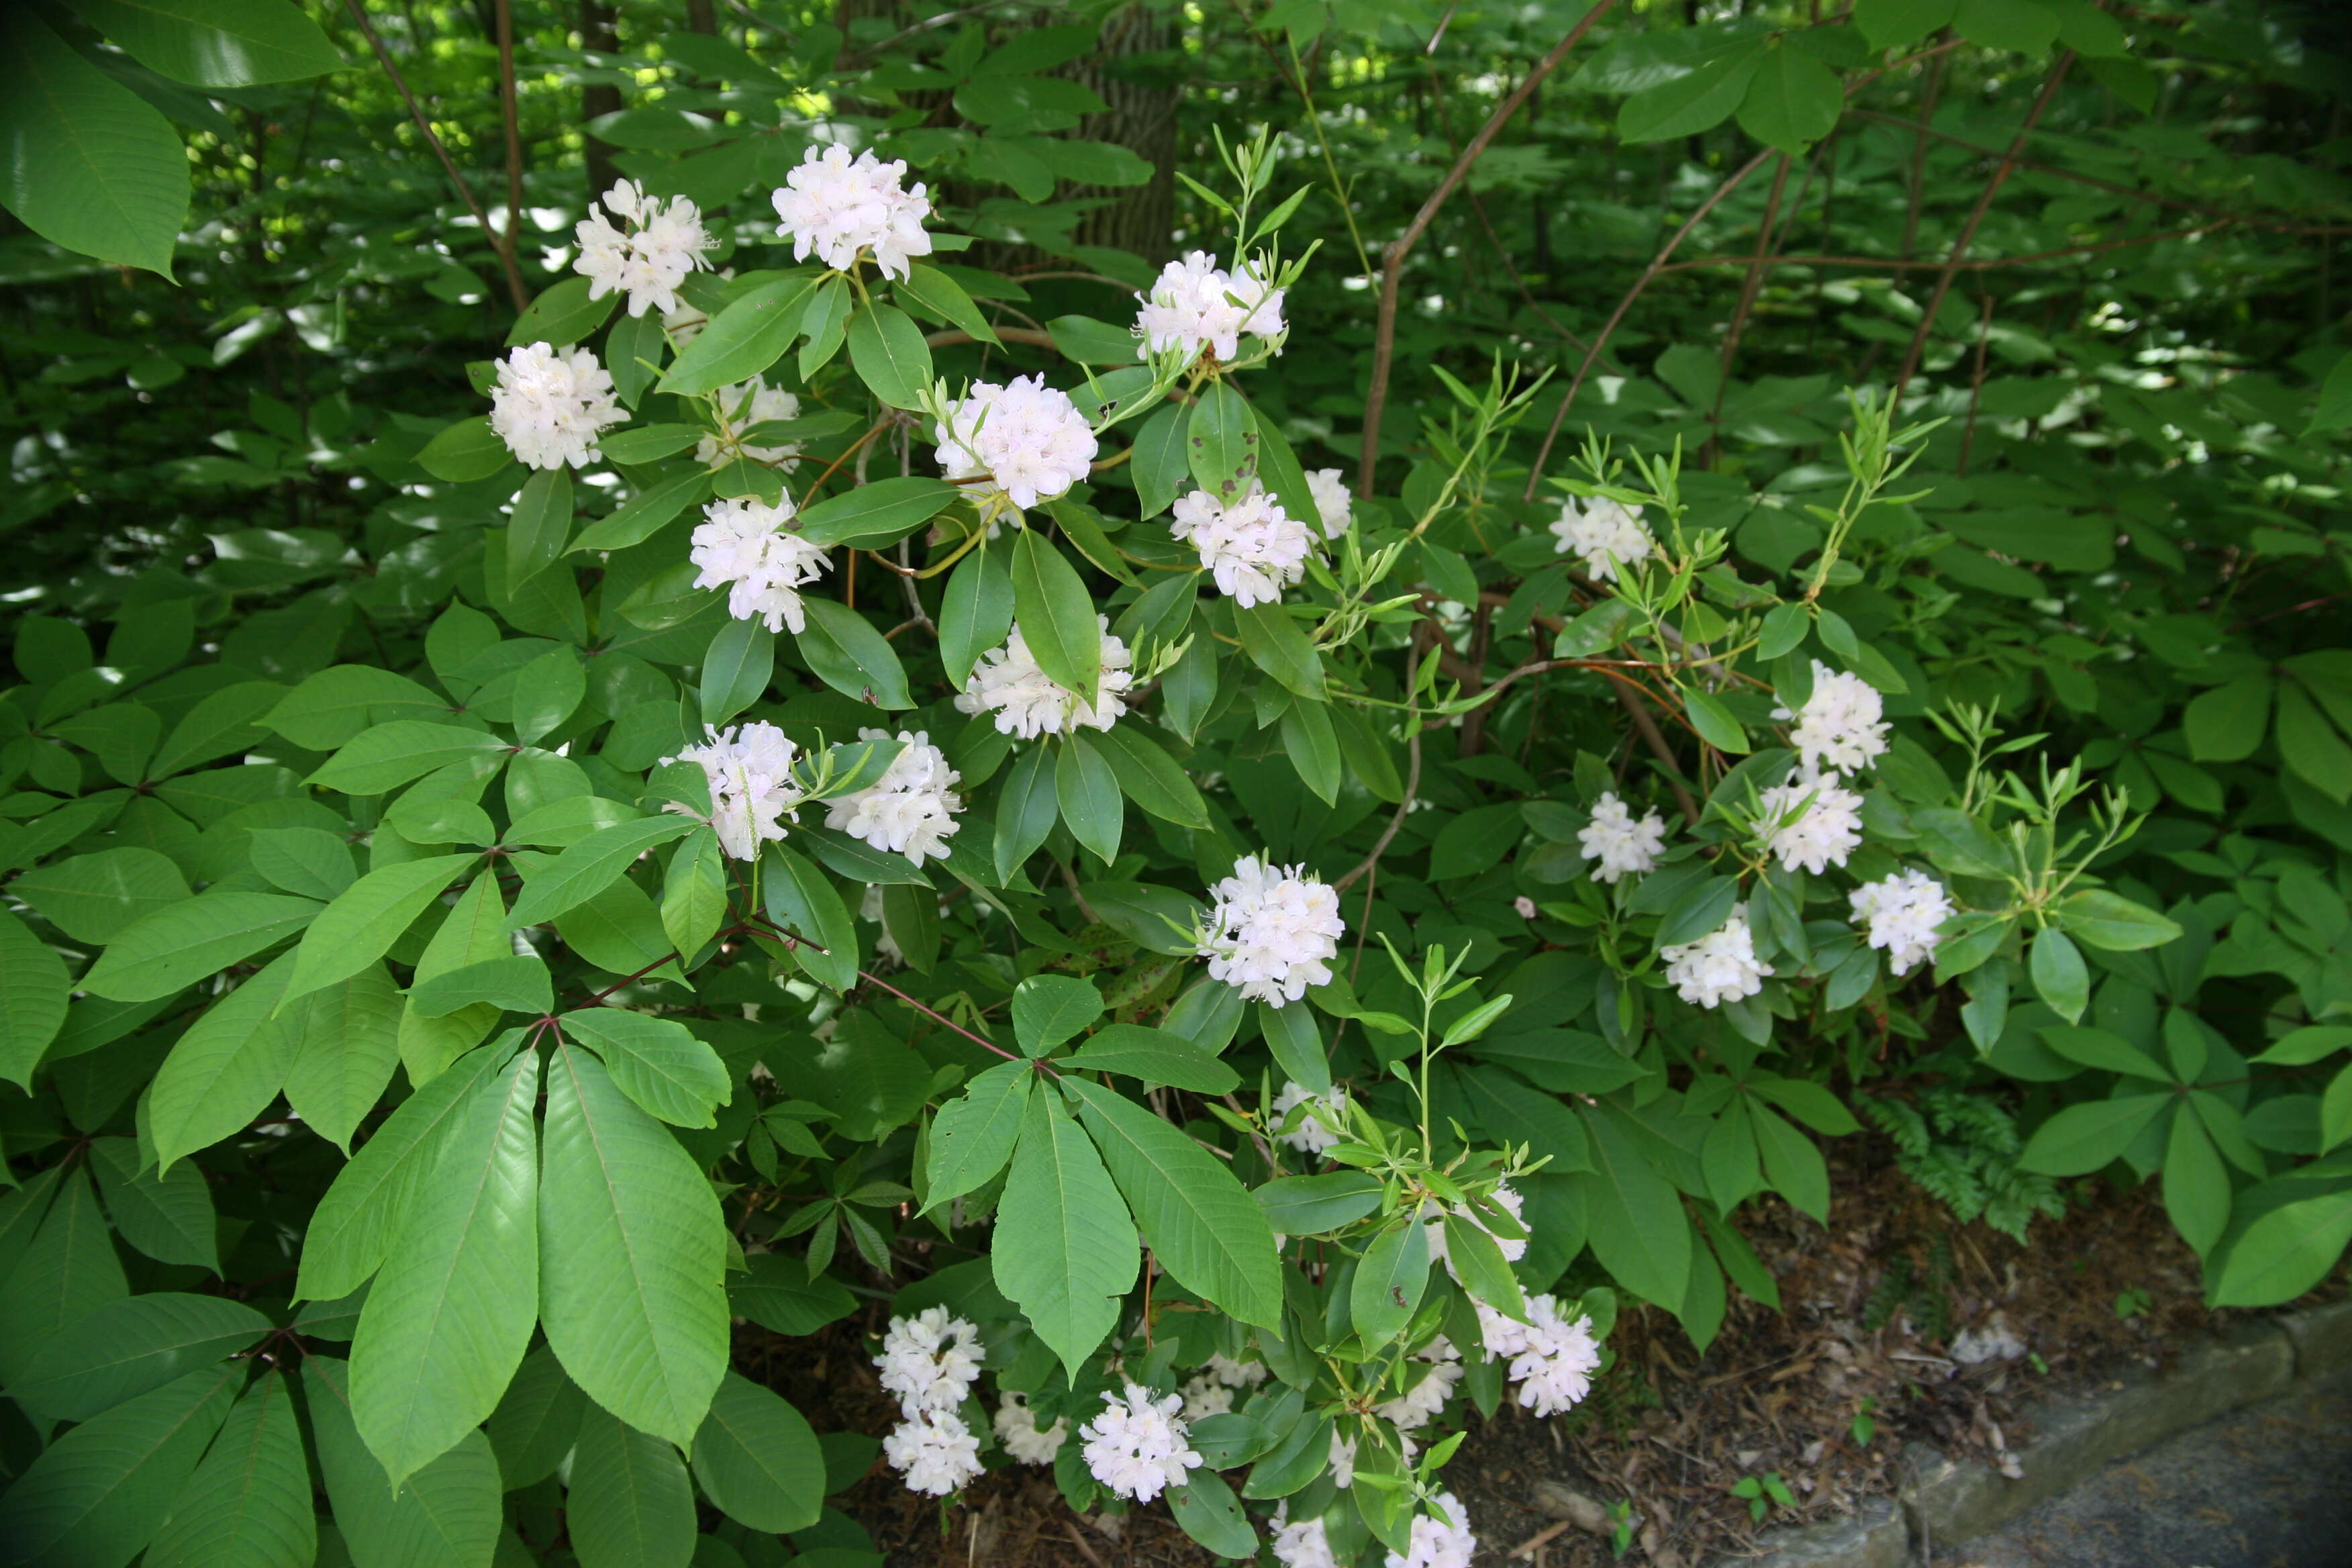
(1302, 1543)
(749, 773)
(1810, 822)
(1311, 1136)
(1234, 1374)
(1009, 683)
(837, 208)
(1552, 1358)
(1017, 1429)
(1605, 534)
(550, 405)
(1843, 727)
(1438, 1543)
(1903, 912)
(1719, 967)
(1253, 548)
(1333, 505)
(930, 1361)
(1419, 1405)
(910, 809)
(745, 405)
(1272, 932)
(1197, 305)
(745, 547)
(1204, 1397)
(1025, 438)
(1512, 1247)
(649, 259)
(1624, 846)
(1137, 1446)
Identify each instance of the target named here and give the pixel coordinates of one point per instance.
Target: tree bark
(701, 17)
(1141, 116)
(597, 38)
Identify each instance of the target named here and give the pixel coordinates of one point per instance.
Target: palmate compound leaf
(758, 1460)
(975, 1133)
(450, 1313)
(360, 926)
(68, 1270)
(33, 991)
(1200, 1222)
(99, 1494)
(632, 1254)
(348, 1042)
(250, 1502)
(447, 1514)
(1065, 1247)
(228, 1064)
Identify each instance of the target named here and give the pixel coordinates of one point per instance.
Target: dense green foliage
(410, 1068)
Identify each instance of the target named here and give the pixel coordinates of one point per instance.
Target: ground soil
(1869, 1307)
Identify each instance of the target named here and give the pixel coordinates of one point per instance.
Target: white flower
(1810, 822)
(1903, 911)
(1438, 1544)
(869, 908)
(1719, 967)
(1606, 534)
(1311, 1136)
(1419, 1404)
(929, 1361)
(1506, 1197)
(1343, 1461)
(1026, 438)
(1272, 932)
(550, 405)
(1621, 843)
(1205, 1395)
(746, 547)
(1333, 504)
(750, 774)
(745, 405)
(1253, 548)
(1235, 1374)
(1137, 1446)
(1017, 1429)
(910, 809)
(838, 209)
(1008, 682)
(1552, 1358)
(1523, 907)
(649, 259)
(1302, 1544)
(1843, 726)
(1196, 305)
(934, 1450)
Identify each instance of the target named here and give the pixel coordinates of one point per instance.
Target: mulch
(1869, 1303)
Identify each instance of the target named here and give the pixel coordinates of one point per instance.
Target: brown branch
(1004, 334)
(2041, 103)
(1392, 257)
(1894, 264)
(1396, 823)
(1976, 386)
(1918, 192)
(1748, 288)
(465, 192)
(1655, 738)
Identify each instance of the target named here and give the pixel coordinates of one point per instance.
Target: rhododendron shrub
(828, 785)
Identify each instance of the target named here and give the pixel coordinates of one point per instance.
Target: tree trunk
(1142, 118)
(701, 17)
(597, 38)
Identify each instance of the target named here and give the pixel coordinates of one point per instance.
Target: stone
(1876, 1537)
(2322, 1338)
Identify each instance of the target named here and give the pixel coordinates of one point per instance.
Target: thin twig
(1655, 739)
(1396, 823)
(1976, 386)
(465, 192)
(513, 235)
(1748, 288)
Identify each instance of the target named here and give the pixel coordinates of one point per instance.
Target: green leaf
(630, 1503)
(1389, 1281)
(974, 1134)
(97, 1495)
(805, 900)
(1161, 466)
(1280, 647)
(1637, 1228)
(68, 1270)
(632, 1256)
(1791, 1164)
(1698, 101)
(645, 444)
(1714, 721)
(1207, 1511)
(591, 866)
(127, 1347)
(562, 316)
(1898, 23)
(1148, 776)
(848, 655)
(168, 1217)
(1515, 1114)
(1310, 1205)
(1221, 440)
(2196, 1187)
(360, 926)
(450, 1313)
(737, 668)
(536, 1422)
(226, 1069)
(370, 1198)
(2023, 26)
(2106, 1051)
(1313, 747)
(1154, 1056)
(517, 984)
(2105, 920)
(888, 352)
(84, 161)
(873, 514)
(177, 946)
(928, 288)
(2084, 1137)
(250, 1501)
(758, 1460)
(347, 1043)
(645, 513)
(1198, 1220)
(2059, 976)
(1057, 616)
(694, 893)
(331, 708)
(33, 992)
(2311, 1043)
(2311, 746)
(2285, 1252)
(780, 1297)
(1296, 1042)
(1088, 792)
(1793, 101)
(309, 862)
(1027, 810)
(1474, 1259)
(215, 43)
(743, 340)
(91, 898)
(976, 611)
(655, 1062)
(2225, 724)
(465, 452)
(1050, 1009)
(389, 755)
(1065, 1247)
(447, 1516)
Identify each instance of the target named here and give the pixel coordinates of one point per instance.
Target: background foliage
(294, 654)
